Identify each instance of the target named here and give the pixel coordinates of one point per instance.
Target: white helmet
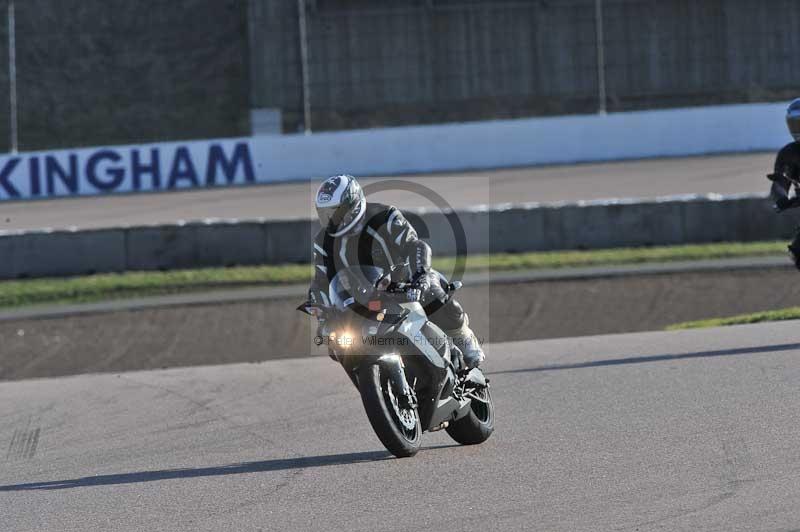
(341, 204)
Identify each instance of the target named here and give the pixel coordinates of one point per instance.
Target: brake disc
(404, 415)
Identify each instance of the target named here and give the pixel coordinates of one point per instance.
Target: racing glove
(420, 284)
(780, 195)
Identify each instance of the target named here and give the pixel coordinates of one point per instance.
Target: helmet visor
(340, 219)
(325, 215)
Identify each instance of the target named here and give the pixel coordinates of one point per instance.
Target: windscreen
(354, 284)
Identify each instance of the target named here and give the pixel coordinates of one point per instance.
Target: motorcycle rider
(786, 176)
(355, 232)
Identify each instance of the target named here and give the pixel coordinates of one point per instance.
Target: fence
(373, 62)
(101, 72)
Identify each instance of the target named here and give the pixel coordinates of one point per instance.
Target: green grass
(103, 287)
(619, 256)
(757, 317)
(140, 284)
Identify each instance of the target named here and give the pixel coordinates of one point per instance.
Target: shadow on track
(233, 469)
(656, 358)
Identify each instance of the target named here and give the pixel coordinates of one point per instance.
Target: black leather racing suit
(386, 239)
(787, 175)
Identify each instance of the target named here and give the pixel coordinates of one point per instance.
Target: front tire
(390, 423)
(478, 425)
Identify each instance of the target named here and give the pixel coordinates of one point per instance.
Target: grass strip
(792, 313)
(104, 287)
(616, 257)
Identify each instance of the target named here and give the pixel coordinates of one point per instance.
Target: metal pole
(306, 72)
(12, 75)
(601, 58)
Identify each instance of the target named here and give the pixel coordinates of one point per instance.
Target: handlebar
(396, 287)
(399, 287)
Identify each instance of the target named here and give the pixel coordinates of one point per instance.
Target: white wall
(492, 144)
(534, 141)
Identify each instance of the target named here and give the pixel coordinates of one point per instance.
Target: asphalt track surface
(695, 430)
(724, 174)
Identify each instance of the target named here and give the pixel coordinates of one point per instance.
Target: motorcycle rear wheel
(478, 425)
(384, 414)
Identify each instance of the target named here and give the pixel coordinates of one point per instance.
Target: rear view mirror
(311, 309)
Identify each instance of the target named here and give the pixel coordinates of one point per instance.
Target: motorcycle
(411, 376)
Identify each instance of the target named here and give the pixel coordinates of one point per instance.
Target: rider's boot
(468, 343)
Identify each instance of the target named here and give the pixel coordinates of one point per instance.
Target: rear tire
(382, 413)
(478, 425)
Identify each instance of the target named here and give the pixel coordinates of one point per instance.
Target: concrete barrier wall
(404, 150)
(534, 227)
(616, 223)
(534, 141)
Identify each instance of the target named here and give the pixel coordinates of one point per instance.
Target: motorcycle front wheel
(398, 429)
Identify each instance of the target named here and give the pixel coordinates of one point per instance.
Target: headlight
(344, 339)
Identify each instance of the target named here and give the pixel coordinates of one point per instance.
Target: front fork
(393, 364)
(395, 370)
